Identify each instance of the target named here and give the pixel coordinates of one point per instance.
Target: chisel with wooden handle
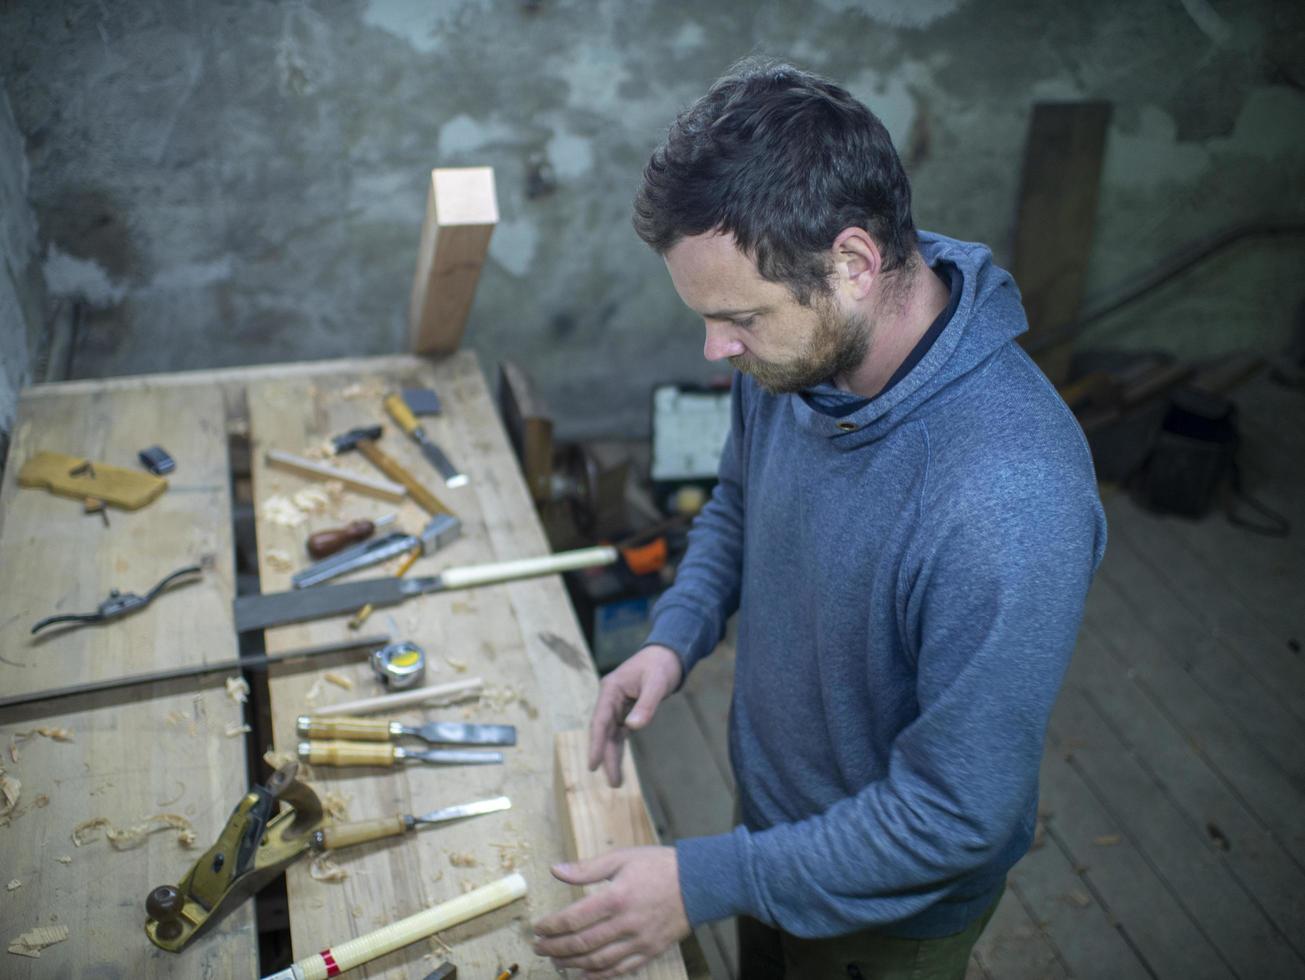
(345, 834)
(407, 421)
(379, 730)
(278, 608)
(384, 754)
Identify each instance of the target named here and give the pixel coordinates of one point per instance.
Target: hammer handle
(387, 465)
(345, 834)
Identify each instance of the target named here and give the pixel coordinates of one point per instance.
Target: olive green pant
(766, 953)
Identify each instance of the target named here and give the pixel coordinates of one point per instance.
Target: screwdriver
(325, 543)
(379, 730)
(343, 835)
(383, 754)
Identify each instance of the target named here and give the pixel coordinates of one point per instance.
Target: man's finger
(612, 754)
(592, 871)
(579, 915)
(626, 966)
(603, 726)
(585, 941)
(643, 709)
(604, 958)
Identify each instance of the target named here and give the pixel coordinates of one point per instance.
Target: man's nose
(721, 342)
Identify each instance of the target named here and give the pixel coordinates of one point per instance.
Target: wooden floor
(1172, 842)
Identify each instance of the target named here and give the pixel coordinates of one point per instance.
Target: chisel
(343, 835)
(403, 417)
(278, 608)
(378, 730)
(371, 754)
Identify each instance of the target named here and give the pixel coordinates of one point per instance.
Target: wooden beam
(597, 818)
(461, 211)
(1057, 212)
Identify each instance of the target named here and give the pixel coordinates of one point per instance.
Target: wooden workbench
(164, 748)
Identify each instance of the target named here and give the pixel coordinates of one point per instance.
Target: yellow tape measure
(399, 665)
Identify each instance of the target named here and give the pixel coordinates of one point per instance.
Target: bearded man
(907, 523)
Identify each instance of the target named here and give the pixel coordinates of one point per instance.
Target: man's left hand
(618, 928)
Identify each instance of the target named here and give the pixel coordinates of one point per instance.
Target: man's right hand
(627, 699)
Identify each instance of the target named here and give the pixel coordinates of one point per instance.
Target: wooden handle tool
(335, 960)
(79, 478)
(391, 468)
(386, 754)
(356, 729)
(343, 835)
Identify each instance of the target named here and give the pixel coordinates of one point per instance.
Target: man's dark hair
(784, 160)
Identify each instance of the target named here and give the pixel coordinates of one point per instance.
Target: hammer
(363, 438)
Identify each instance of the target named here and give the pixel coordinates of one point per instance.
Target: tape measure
(399, 665)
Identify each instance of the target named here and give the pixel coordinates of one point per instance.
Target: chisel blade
(452, 476)
(253, 612)
(459, 733)
(465, 810)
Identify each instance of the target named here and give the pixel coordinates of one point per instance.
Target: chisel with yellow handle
(405, 420)
(378, 754)
(345, 834)
(379, 730)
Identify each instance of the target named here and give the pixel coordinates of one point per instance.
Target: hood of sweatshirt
(988, 317)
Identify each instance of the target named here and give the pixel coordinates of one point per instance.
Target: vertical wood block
(1057, 212)
(461, 211)
(596, 819)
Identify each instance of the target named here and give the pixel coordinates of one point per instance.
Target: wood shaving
(10, 788)
(441, 945)
(64, 859)
(235, 729)
(1106, 840)
(336, 805)
(498, 698)
(276, 759)
(132, 837)
(41, 801)
(339, 680)
(173, 718)
(462, 860)
(33, 941)
(323, 450)
(280, 510)
(278, 560)
(360, 390)
(322, 498)
(314, 694)
(13, 751)
(459, 665)
(323, 868)
(238, 689)
(54, 734)
(14, 885)
(181, 791)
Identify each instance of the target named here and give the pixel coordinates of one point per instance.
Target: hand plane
(255, 846)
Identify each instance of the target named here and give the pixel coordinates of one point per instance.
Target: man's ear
(857, 262)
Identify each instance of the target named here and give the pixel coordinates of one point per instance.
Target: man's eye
(745, 323)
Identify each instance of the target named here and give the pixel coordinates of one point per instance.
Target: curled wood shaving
(41, 801)
(458, 665)
(280, 510)
(57, 734)
(132, 837)
(314, 695)
(14, 885)
(336, 805)
(279, 560)
(33, 941)
(323, 868)
(276, 758)
(318, 499)
(10, 788)
(238, 689)
(64, 859)
(235, 729)
(339, 680)
(462, 860)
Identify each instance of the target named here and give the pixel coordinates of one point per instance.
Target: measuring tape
(399, 665)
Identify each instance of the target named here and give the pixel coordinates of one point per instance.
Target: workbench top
(176, 748)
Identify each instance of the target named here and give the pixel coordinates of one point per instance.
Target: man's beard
(836, 348)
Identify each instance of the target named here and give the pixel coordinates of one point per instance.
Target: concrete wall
(224, 183)
(21, 299)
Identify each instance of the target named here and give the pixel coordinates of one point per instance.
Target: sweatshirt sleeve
(990, 603)
(690, 616)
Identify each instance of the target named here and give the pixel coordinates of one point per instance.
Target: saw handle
(401, 413)
(347, 834)
(346, 754)
(353, 729)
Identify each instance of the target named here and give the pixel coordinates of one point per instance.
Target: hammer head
(442, 530)
(347, 440)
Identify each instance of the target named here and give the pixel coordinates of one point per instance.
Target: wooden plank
(1240, 763)
(461, 212)
(672, 754)
(160, 748)
(1014, 946)
(598, 818)
(1163, 876)
(1272, 877)
(522, 638)
(1054, 224)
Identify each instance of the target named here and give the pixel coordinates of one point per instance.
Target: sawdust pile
(128, 838)
(33, 941)
(238, 689)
